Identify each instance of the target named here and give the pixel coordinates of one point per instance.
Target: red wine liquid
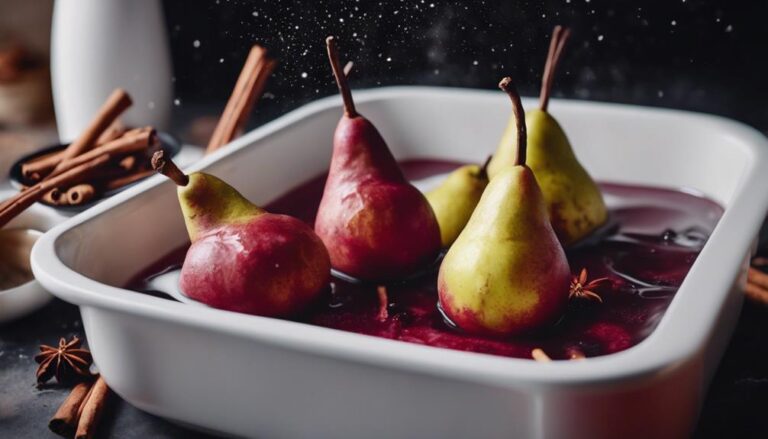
(654, 238)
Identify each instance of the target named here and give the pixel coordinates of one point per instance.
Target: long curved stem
(560, 36)
(508, 86)
(341, 78)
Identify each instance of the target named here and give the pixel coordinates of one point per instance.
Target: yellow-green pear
(575, 204)
(506, 273)
(455, 199)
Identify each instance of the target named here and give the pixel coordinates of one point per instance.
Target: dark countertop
(25, 409)
(734, 406)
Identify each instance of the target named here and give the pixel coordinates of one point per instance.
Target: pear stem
(341, 77)
(166, 167)
(484, 169)
(508, 86)
(559, 37)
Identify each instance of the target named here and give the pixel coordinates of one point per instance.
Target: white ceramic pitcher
(98, 45)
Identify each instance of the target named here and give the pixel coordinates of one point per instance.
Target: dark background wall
(705, 55)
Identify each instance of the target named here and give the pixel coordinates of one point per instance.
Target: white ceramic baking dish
(255, 376)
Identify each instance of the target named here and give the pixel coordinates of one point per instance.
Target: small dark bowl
(168, 143)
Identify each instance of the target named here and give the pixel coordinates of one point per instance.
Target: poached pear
(455, 199)
(575, 204)
(506, 273)
(375, 224)
(243, 258)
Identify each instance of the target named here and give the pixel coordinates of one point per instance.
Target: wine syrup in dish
(653, 238)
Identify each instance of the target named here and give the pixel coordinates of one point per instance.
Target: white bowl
(30, 296)
(252, 376)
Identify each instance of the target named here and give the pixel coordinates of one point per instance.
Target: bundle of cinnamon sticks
(104, 157)
(249, 87)
(79, 414)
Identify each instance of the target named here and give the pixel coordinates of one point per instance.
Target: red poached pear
(375, 224)
(243, 258)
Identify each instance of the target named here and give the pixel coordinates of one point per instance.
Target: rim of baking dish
(681, 334)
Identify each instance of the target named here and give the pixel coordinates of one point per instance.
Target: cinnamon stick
(381, 291)
(757, 283)
(55, 197)
(139, 130)
(124, 145)
(757, 277)
(115, 130)
(82, 405)
(24, 199)
(108, 172)
(539, 355)
(12, 62)
(268, 66)
(103, 128)
(64, 421)
(127, 163)
(80, 194)
(36, 168)
(117, 183)
(115, 105)
(575, 353)
(92, 410)
(756, 293)
(248, 88)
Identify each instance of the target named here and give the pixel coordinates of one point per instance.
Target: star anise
(66, 362)
(582, 289)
